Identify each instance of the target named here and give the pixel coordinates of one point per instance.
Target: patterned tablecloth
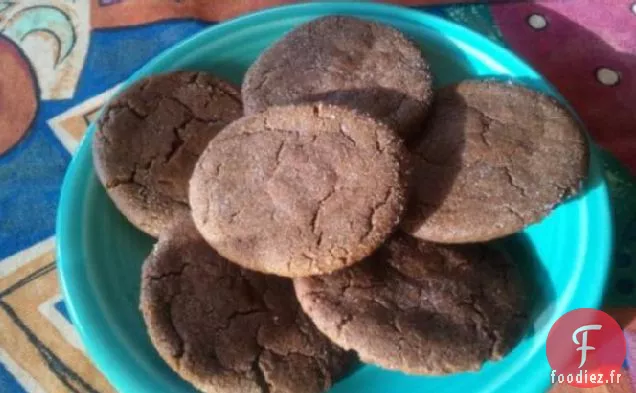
(60, 59)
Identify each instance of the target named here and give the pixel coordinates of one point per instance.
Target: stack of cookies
(315, 218)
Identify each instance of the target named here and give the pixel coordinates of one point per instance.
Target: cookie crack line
(303, 323)
(422, 156)
(492, 337)
(514, 213)
(256, 293)
(393, 116)
(177, 142)
(119, 106)
(279, 153)
(344, 321)
(192, 79)
(175, 274)
(190, 112)
(318, 356)
(181, 342)
(374, 212)
(315, 219)
(238, 314)
(267, 127)
(378, 147)
(217, 84)
(136, 112)
(144, 85)
(180, 350)
(259, 374)
(265, 78)
(566, 191)
(486, 121)
(512, 182)
(130, 181)
(527, 131)
(346, 136)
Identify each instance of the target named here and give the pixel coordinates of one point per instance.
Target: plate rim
(68, 264)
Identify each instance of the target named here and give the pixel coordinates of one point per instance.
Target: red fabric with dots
(579, 39)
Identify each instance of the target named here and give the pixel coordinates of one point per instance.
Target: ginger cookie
(149, 138)
(363, 65)
(300, 190)
(420, 307)
(226, 329)
(494, 158)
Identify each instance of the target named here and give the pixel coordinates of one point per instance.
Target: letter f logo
(584, 347)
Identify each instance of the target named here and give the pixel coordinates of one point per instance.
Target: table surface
(62, 59)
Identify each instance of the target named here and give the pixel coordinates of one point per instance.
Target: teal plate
(99, 254)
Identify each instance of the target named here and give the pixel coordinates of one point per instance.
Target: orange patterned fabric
(114, 13)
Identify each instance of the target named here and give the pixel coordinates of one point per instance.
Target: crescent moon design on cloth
(54, 36)
(45, 19)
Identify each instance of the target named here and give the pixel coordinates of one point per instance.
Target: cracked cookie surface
(420, 307)
(346, 61)
(301, 190)
(227, 329)
(149, 138)
(493, 159)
